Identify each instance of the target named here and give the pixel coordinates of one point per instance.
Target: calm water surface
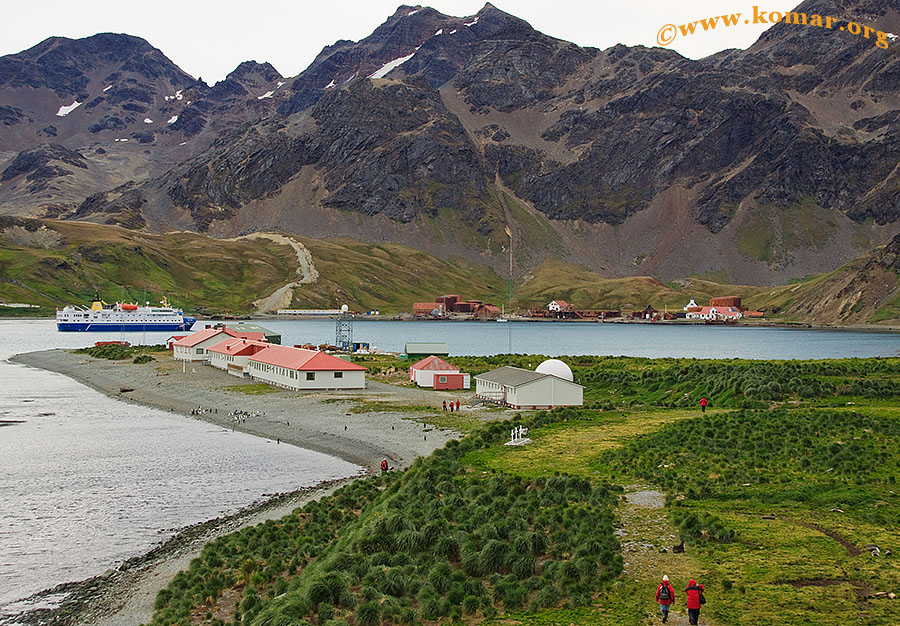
(562, 338)
(87, 481)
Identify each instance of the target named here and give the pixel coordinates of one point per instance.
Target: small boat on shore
(122, 316)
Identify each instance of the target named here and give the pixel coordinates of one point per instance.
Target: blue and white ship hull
(122, 317)
(107, 326)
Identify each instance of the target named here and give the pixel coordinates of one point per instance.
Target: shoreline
(797, 325)
(318, 421)
(124, 595)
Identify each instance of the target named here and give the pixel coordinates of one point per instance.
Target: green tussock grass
(435, 542)
(774, 504)
(252, 389)
(116, 352)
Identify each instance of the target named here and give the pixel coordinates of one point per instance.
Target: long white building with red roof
(194, 347)
(232, 354)
(298, 368)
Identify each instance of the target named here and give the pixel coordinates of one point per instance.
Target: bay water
(87, 481)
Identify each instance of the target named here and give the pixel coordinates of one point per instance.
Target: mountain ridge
(625, 160)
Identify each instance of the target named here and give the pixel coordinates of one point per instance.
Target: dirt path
(306, 270)
(645, 531)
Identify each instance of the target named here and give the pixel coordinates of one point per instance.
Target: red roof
(433, 363)
(238, 346)
(563, 305)
(303, 360)
(202, 335)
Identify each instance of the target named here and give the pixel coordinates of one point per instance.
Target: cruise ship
(122, 316)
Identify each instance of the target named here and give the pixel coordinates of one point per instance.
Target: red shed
(451, 380)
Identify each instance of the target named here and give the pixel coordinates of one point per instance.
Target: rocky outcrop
(33, 163)
(392, 149)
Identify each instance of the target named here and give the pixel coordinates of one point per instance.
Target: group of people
(444, 406)
(665, 595)
(201, 411)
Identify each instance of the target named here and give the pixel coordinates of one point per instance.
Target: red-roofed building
(298, 368)
(232, 354)
(434, 309)
(194, 346)
(170, 342)
(425, 373)
(559, 306)
(487, 311)
(713, 313)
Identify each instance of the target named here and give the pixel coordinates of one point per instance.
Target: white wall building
(423, 372)
(523, 389)
(298, 368)
(711, 313)
(193, 348)
(232, 354)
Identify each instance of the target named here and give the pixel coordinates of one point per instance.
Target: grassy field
(778, 494)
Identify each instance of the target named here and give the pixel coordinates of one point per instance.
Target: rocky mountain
(864, 291)
(461, 135)
(126, 110)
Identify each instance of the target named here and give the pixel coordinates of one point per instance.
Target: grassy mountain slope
(390, 277)
(53, 263)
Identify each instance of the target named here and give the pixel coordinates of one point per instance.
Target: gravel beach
(319, 421)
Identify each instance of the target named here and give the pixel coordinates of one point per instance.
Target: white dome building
(557, 368)
(550, 386)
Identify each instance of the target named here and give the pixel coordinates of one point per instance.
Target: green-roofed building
(420, 350)
(250, 327)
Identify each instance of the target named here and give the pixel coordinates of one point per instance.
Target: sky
(208, 39)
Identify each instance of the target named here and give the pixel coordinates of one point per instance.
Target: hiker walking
(384, 466)
(457, 405)
(444, 406)
(703, 402)
(695, 599)
(665, 595)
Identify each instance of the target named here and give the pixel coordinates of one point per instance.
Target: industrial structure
(343, 330)
(444, 306)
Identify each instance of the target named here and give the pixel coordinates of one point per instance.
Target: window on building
(199, 350)
(442, 379)
(339, 374)
(310, 375)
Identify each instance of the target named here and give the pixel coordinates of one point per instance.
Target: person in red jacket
(665, 595)
(384, 466)
(694, 592)
(703, 404)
